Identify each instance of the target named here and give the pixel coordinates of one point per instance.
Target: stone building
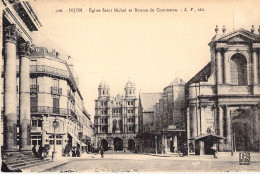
(223, 99)
(42, 104)
(116, 118)
(162, 121)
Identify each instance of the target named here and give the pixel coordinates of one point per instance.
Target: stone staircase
(19, 161)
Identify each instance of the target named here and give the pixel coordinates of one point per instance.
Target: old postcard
(130, 86)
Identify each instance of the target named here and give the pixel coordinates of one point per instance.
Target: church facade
(223, 99)
(116, 118)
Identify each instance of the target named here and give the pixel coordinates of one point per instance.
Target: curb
(59, 165)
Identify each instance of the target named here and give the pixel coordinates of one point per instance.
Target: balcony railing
(51, 110)
(43, 69)
(37, 69)
(49, 70)
(34, 89)
(71, 97)
(72, 114)
(56, 90)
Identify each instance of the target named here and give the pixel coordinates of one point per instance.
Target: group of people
(38, 154)
(75, 152)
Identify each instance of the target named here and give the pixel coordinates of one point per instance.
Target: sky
(149, 48)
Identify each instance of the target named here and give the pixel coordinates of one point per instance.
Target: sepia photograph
(130, 86)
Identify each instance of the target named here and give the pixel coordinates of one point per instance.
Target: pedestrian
(102, 153)
(34, 151)
(77, 152)
(215, 150)
(73, 152)
(40, 150)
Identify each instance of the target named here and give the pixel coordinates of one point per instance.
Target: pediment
(240, 35)
(238, 38)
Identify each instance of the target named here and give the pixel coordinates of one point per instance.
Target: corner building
(116, 118)
(223, 99)
(38, 88)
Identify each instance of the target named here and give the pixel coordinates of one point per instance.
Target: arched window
(238, 70)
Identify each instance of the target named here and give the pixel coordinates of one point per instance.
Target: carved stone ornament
(26, 49)
(11, 33)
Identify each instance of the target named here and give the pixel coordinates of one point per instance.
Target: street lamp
(55, 125)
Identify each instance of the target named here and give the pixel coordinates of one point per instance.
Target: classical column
(220, 126)
(255, 67)
(203, 115)
(10, 100)
(155, 144)
(220, 121)
(219, 66)
(188, 128)
(256, 122)
(24, 97)
(165, 143)
(194, 121)
(228, 127)
(1, 58)
(175, 143)
(227, 68)
(202, 148)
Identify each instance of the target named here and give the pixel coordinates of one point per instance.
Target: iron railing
(49, 70)
(44, 69)
(53, 71)
(71, 97)
(34, 89)
(56, 90)
(52, 110)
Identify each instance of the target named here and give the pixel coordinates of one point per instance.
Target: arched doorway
(238, 70)
(242, 130)
(104, 144)
(118, 144)
(131, 144)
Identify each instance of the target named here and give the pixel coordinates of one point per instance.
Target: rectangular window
(56, 83)
(34, 103)
(33, 81)
(34, 123)
(56, 105)
(34, 142)
(58, 142)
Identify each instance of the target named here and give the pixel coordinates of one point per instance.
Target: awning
(207, 136)
(76, 139)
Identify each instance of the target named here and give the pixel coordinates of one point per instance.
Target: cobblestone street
(121, 162)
